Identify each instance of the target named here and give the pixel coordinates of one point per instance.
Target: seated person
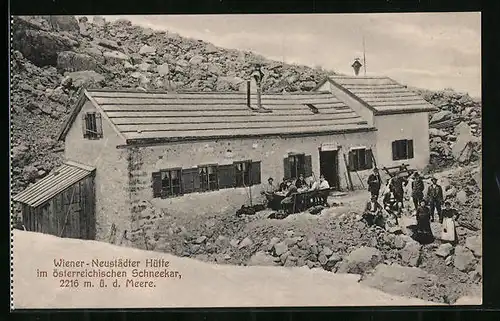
(314, 185)
(283, 185)
(324, 186)
(373, 212)
(292, 189)
(323, 183)
(301, 182)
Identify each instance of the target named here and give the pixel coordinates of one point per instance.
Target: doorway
(329, 167)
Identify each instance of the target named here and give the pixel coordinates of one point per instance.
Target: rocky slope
(54, 56)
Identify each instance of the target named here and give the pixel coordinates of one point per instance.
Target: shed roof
(54, 183)
(141, 116)
(382, 95)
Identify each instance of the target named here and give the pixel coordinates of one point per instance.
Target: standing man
(268, 192)
(397, 189)
(417, 189)
(435, 197)
(374, 183)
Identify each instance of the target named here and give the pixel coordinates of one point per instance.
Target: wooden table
(301, 201)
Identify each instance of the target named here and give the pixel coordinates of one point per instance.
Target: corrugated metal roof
(54, 183)
(151, 115)
(383, 94)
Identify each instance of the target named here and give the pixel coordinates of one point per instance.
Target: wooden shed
(62, 203)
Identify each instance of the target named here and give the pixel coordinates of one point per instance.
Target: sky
(425, 50)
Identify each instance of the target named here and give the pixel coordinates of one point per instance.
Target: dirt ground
(325, 240)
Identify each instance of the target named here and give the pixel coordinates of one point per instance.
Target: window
(296, 164)
(167, 183)
(92, 125)
(242, 171)
(176, 182)
(208, 177)
(402, 149)
(360, 159)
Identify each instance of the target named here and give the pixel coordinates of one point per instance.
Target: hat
(434, 179)
(270, 179)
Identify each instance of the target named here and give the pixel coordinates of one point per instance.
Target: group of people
(424, 207)
(288, 187)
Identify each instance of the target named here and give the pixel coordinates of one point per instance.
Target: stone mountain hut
(191, 153)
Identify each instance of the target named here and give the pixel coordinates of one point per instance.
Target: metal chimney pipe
(248, 93)
(259, 103)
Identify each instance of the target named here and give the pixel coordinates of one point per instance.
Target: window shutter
(368, 158)
(351, 161)
(410, 148)
(255, 173)
(395, 150)
(84, 125)
(307, 165)
(226, 175)
(286, 168)
(188, 176)
(156, 180)
(98, 124)
(196, 181)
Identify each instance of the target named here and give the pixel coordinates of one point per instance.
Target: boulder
(98, 21)
(280, 248)
(210, 48)
(463, 129)
(291, 241)
(461, 197)
(200, 240)
(450, 193)
(115, 57)
(399, 242)
(41, 47)
(127, 66)
(72, 61)
(144, 66)
(444, 250)
(410, 254)
(464, 259)
(361, 260)
(327, 251)
(437, 133)
(163, 69)
(290, 261)
(441, 116)
(196, 60)
(85, 78)
(147, 50)
(261, 259)
(307, 85)
(322, 259)
(234, 242)
(400, 280)
(475, 244)
(96, 53)
(63, 23)
(109, 44)
(19, 154)
(30, 173)
(246, 242)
